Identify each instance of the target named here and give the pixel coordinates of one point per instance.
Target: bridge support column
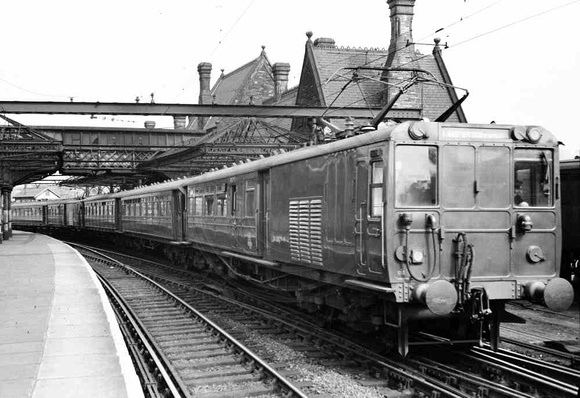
(6, 218)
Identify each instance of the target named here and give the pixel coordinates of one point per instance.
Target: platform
(58, 333)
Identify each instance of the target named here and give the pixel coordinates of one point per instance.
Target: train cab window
(459, 181)
(376, 199)
(533, 175)
(493, 175)
(415, 175)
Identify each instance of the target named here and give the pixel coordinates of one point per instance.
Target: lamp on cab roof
(533, 135)
(418, 131)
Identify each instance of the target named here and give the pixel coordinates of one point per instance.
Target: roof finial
(436, 48)
(309, 34)
(263, 48)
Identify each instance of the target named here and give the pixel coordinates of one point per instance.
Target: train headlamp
(418, 131)
(533, 135)
(518, 133)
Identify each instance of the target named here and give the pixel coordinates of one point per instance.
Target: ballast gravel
(319, 378)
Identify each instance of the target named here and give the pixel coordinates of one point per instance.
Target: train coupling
(557, 294)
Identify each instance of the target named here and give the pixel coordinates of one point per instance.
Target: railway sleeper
(162, 332)
(196, 340)
(186, 365)
(255, 390)
(196, 348)
(218, 378)
(200, 354)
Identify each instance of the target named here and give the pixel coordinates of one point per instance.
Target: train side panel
(223, 213)
(150, 215)
(56, 214)
(100, 214)
(27, 214)
(311, 213)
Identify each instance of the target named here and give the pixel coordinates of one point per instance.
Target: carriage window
(234, 200)
(416, 175)
(209, 205)
(250, 199)
(533, 170)
(198, 205)
(376, 199)
(222, 205)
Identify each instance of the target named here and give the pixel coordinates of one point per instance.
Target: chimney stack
(179, 122)
(280, 71)
(401, 53)
(204, 70)
(401, 23)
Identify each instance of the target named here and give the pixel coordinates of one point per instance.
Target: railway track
(562, 379)
(454, 381)
(153, 372)
(507, 373)
(567, 358)
(295, 345)
(202, 358)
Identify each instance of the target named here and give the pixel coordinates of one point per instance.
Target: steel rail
(573, 358)
(563, 373)
(498, 388)
(170, 377)
(547, 383)
(285, 383)
(176, 390)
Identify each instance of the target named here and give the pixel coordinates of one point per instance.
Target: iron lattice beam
(260, 111)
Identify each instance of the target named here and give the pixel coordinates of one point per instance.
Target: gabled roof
(252, 82)
(324, 76)
(30, 192)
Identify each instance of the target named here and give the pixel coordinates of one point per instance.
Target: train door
(177, 215)
(475, 201)
(117, 213)
(369, 239)
(263, 211)
(535, 221)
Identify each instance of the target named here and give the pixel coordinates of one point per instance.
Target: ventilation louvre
(305, 216)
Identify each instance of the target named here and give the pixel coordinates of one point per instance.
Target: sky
(519, 59)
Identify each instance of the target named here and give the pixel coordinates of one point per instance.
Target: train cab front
(474, 213)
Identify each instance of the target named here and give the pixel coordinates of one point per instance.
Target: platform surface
(58, 332)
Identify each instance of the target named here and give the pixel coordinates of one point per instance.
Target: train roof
(384, 133)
